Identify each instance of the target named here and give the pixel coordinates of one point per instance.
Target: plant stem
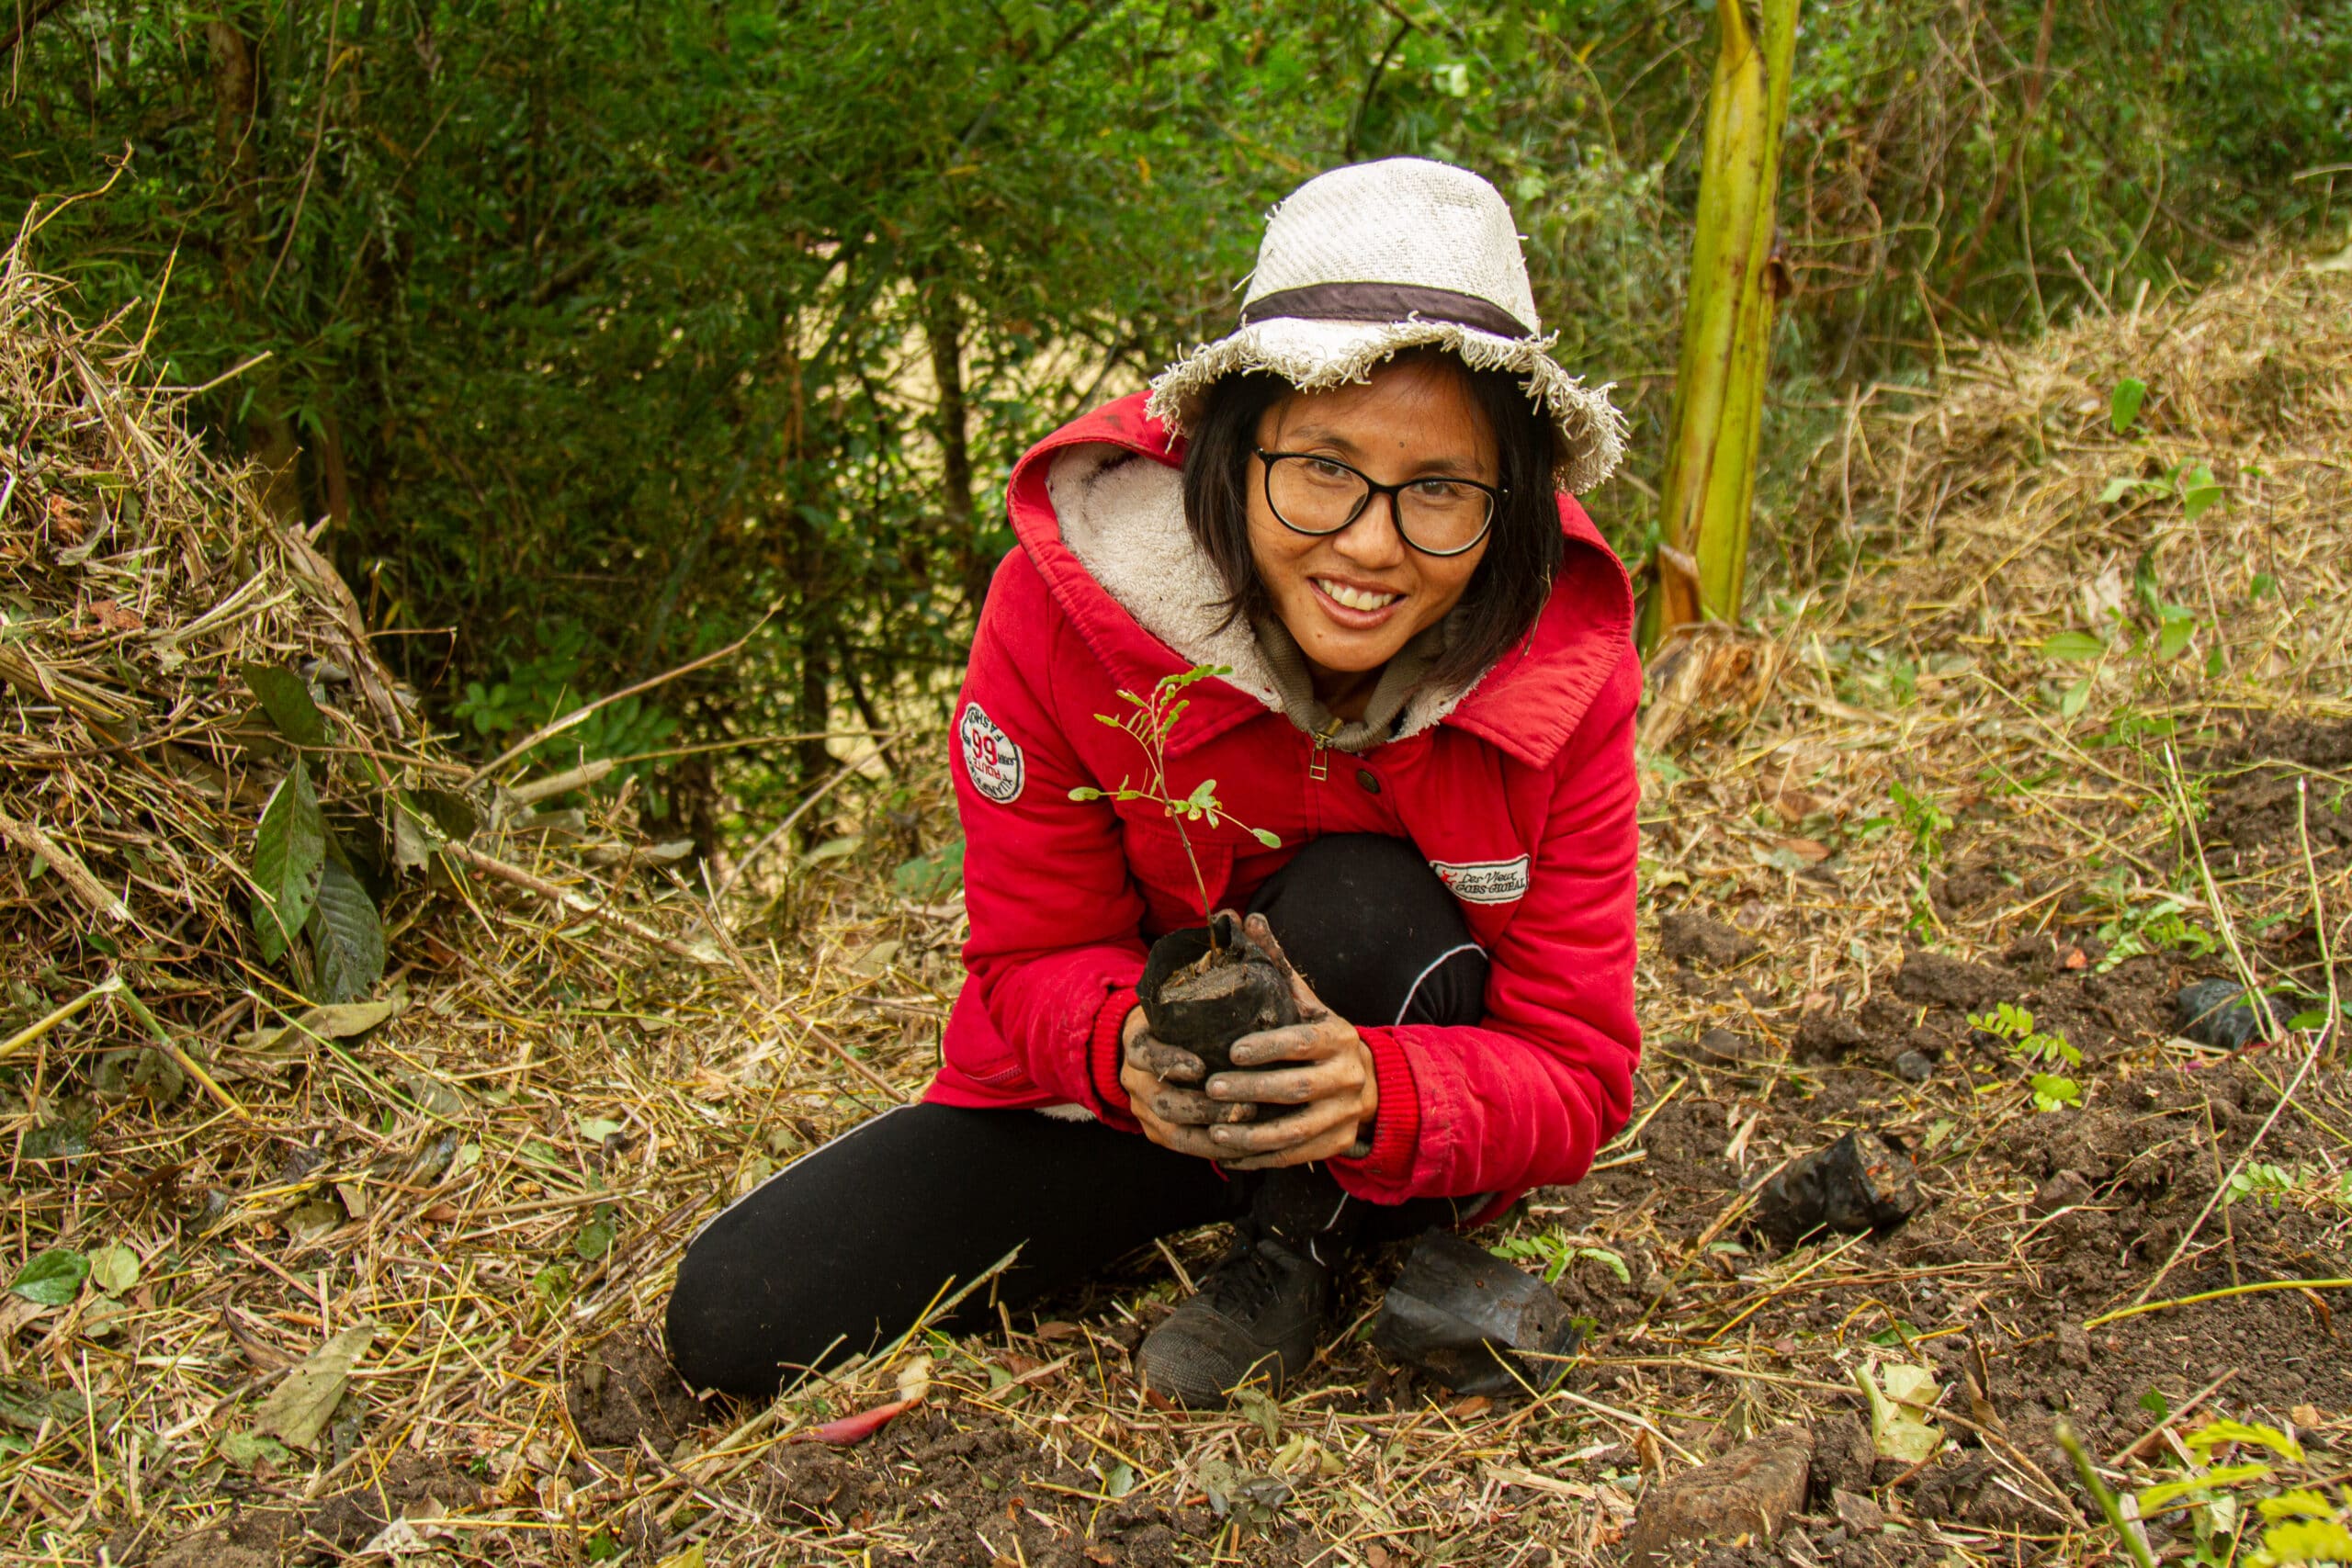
(2102, 1497)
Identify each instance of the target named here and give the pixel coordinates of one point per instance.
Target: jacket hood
(1098, 506)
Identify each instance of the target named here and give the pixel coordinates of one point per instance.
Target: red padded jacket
(1522, 797)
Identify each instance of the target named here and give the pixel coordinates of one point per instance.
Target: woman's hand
(1319, 1064)
(1162, 1082)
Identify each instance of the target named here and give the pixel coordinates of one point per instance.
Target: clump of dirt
(256, 1538)
(1937, 979)
(624, 1389)
(350, 1519)
(1691, 938)
(936, 1489)
(2260, 817)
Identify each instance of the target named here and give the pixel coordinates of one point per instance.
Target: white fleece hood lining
(1122, 516)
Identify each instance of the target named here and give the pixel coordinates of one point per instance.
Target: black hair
(1523, 548)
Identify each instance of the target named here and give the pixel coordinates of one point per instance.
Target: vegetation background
(601, 332)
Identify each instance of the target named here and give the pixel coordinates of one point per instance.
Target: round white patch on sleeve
(991, 760)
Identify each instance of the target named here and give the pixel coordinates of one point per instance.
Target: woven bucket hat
(1366, 260)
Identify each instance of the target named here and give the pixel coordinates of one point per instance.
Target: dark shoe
(1255, 1316)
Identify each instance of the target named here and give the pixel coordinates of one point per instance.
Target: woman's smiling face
(1354, 598)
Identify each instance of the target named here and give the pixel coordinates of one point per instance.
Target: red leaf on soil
(2075, 959)
(854, 1429)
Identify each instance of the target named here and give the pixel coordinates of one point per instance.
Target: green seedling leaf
(2306, 1540)
(288, 701)
(346, 936)
(832, 849)
(1900, 1397)
(2123, 403)
(244, 1450)
(596, 1238)
(297, 1409)
(290, 853)
(2198, 489)
(1271, 841)
(2156, 1497)
(1609, 1260)
(937, 873)
(114, 1269)
(2080, 647)
(2154, 1402)
(596, 1129)
(2076, 698)
(53, 1278)
(2213, 1434)
(2051, 1092)
(1086, 791)
(2177, 628)
(2261, 586)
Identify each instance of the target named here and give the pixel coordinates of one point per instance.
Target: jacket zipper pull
(1318, 763)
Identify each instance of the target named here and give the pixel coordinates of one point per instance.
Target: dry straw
(583, 1056)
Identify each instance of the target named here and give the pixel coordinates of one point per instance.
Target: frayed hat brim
(1314, 355)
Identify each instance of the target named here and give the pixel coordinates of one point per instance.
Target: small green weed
(1557, 1251)
(2034, 1047)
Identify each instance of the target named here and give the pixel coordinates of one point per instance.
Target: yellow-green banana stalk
(1710, 479)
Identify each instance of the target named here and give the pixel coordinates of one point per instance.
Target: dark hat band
(1385, 302)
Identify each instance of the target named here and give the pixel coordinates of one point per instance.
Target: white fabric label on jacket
(1484, 881)
(992, 761)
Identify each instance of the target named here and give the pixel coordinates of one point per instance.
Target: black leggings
(841, 1250)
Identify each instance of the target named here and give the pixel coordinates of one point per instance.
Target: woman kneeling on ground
(1355, 504)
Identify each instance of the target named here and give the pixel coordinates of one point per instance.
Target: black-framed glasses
(1310, 494)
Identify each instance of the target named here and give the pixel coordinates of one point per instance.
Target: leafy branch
(1149, 722)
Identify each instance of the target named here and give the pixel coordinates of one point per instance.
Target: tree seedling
(1149, 722)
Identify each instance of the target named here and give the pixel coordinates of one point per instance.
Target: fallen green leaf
(53, 1278)
(244, 1449)
(288, 701)
(2123, 404)
(1900, 1397)
(299, 1408)
(114, 1269)
(346, 935)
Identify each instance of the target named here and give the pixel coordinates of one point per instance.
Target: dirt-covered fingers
(1162, 1061)
(1291, 1042)
(1263, 932)
(1286, 1086)
(1319, 1132)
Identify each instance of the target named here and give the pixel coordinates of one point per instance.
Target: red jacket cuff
(1105, 1050)
(1396, 1125)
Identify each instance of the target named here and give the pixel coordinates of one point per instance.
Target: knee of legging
(702, 1324)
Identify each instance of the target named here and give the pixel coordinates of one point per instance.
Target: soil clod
(1751, 1491)
(626, 1389)
(1689, 938)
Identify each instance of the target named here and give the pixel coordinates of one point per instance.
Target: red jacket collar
(1527, 705)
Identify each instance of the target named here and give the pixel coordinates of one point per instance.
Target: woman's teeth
(1356, 598)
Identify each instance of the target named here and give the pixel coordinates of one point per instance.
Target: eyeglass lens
(1316, 496)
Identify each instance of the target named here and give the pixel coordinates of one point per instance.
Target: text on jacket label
(990, 759)
(1484, 881)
